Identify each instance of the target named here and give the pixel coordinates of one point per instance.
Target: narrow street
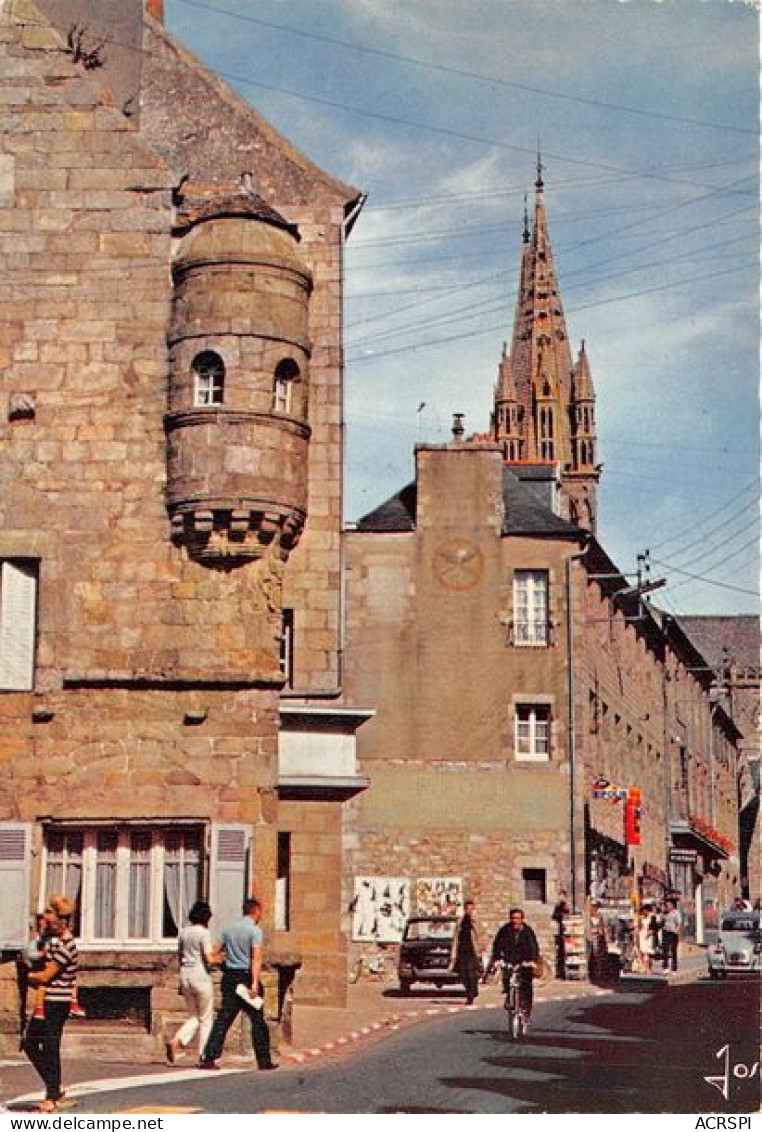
(642, 1049)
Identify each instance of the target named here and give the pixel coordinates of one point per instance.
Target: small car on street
(738, 949)
(426, 952)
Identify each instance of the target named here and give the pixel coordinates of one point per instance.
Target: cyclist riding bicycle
(516, 944)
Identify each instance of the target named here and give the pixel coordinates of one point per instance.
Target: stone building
(731, 646)
(522, 686)
(170, 511)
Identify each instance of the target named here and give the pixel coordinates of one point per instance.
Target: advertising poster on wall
(438, 896)
(379, 908)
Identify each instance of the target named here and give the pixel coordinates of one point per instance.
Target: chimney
(458, 428)
(155, 8)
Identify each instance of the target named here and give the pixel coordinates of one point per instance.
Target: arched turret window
(286, 373)
(209, 372)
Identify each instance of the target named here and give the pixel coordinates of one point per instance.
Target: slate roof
(738, 634)
(524, 513)
(396, 514)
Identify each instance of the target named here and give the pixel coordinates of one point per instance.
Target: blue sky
(647, 116)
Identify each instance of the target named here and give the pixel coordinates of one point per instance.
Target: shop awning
(683, 835)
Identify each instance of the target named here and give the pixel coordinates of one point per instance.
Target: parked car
(739, 946)
(426, 952)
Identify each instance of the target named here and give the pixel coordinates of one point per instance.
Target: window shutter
(18, 600)
(15, 872)
(228, 872)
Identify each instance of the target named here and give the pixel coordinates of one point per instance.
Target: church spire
(544, 403)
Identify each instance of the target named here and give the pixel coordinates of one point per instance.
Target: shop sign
(683, 856)
(604, 789)
(632, 816)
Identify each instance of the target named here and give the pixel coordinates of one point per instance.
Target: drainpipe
(571, 721)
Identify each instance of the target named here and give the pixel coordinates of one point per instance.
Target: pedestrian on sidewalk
(646, 937)
(58, 976)
(670, 934)
(468, 963)
(558, 915)
(196, 956)
(242, 945)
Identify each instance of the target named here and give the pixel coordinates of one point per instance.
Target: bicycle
(373, 967)
(517, 1019)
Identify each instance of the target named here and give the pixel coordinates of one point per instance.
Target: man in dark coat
(467, 960)
(516, 943)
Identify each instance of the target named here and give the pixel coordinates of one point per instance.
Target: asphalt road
(639, 1050)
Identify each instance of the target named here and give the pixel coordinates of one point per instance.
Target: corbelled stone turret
(237, 428)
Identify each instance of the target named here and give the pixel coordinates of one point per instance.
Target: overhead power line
(462, 135)
(752, 485)
(703, 578)
(441, 293)
(460, 72)
(417, 202)
(707, 533)
(584, 306)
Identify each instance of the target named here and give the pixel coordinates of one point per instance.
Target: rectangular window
(287, 647)
(534, 884)
(282, 394)
(64, 869)
(131, 886)
(18, 623)
(283, 884)
(209, 390)
(530, 608)
(533, 732)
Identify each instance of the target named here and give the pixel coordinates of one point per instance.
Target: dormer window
(286, 373)
(209, 371)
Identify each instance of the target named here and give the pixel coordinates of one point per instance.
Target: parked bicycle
(372, 967)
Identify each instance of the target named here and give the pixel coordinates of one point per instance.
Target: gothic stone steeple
(545, 403)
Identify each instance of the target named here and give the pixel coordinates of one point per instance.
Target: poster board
(380, 907)
(438, 896)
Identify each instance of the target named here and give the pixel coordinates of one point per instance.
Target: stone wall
(157, 677)
(429, 646)
(314, 899)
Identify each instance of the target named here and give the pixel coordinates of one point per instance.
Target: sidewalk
(374, 1010)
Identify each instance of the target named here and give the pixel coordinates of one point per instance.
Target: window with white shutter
(15, 864)
(229, 871)
(18, 623)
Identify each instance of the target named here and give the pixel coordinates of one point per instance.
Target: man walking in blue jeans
(242, 944)
(670, 934)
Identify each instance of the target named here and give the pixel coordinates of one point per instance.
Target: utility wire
(462, 73)
(499, 277)
(752, 560)
(751, 485)
(561, 249)
(703, 578)
(705, 563)
(680, 552)
(397, 120)
(404, 203)
(585, 306)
